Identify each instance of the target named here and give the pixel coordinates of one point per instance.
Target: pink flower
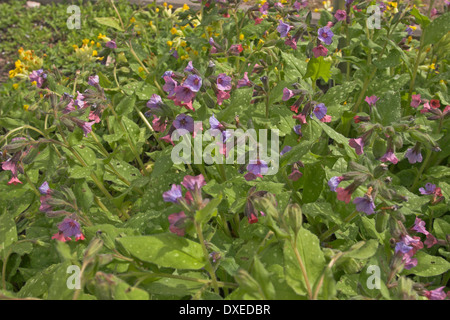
(177, 221)
(430, 241)
(358, 145)
(436, 294)
(14, 180)
(320, 51)
(221, 96)
(415, 100)
(389, 157)
(344, 195)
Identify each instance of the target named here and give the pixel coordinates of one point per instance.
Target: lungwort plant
(122, 177)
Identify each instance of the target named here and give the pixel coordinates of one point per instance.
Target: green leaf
(318, 68)
(126, 105)
(389, 107)
(339, 138)
(312, 257)
(209, 211)
(166, 250)
(437, 29)
(428, 266)
(421, 19)
(363, 250)
(313, 182)
(110, 22)
(8, 232)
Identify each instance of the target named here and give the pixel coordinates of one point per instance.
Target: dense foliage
(358, 208)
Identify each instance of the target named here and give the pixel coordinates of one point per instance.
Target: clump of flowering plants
(353, 206)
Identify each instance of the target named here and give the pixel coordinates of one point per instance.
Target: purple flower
(193, 182)
(70, 228)
(167, 74)
(283, 29)
(430, 240)
(184, 94)
(236, 49)
(409, 30)
(85, 126)
(183, 121)
(44, 188)
(285, 150)
(155, 102)
(320, 111)
(79, 101)
(419, 226)
(320, 51)
(389, 156)
(372, 100)
(39, 76)
(170, 85)
(402, 247)
(10, 166)
(299, 5)
(257, 167)
(295, 174)
(173, 194)
(93, 81)
(358, 145)
(429, 189)
(45, 206)
(340, 15)
(287, 94)
(111, 44)
(364, 204)
(214, 123)
(334, 182)
(244, 82)
(413, 155)
(415, 100)
(298, 129)
(326, 35)
(193, 82)
(264, 8)
(189, 67)
(223, 82)
(436, 294)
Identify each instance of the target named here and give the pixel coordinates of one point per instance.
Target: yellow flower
(165, 4)
(157, 9)
(241, 36)
(132, 20)
(140, 69)
(183, 43)
(34, 83)
(204, 48)
(15, 86)
(150, 23)
(170, 6)
(169, 43)
(173, 31)
(196, 52)
(98, 45)
(25, 107)
(432, 66)
(261, 41)
(74, 46)
(85, 41)
(185, 7)
(94, 53)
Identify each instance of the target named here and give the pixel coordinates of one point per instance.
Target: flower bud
(295, 216)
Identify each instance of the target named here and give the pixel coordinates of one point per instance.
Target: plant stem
(208, 266)
(302, 267)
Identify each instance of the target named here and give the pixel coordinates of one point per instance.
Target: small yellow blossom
(94, 53)
(34, 83)
(165, 4)
(25, 107)
(185, 7)
(157, 9)
(15, 86)
(169, 43)
(173, 31)
(241, 36)
(132, 20)
(170, 6)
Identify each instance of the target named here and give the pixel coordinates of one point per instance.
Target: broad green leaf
(313, 259)
(437, 29)
(428, 265)
(389, 108)
(313, 182)
(8, 232)
(109, 22)
(318, 68)
(363, 249)
(166, 250)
